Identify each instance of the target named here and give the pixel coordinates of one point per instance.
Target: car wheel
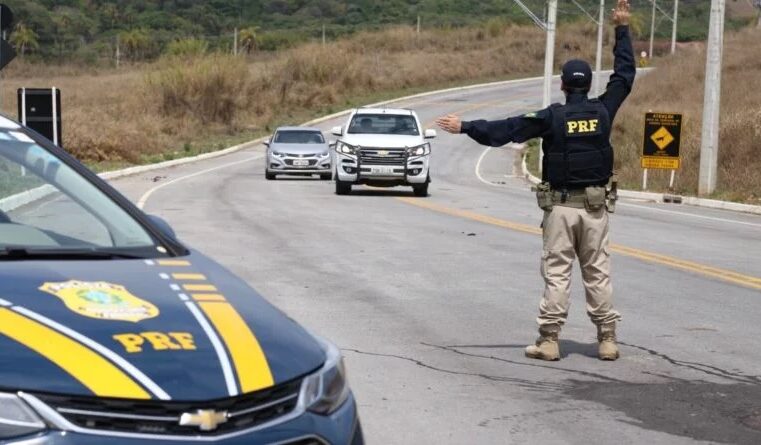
(326, 176)
(421, 190)
(342, 188)
(270, 176)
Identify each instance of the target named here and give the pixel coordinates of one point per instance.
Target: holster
(544, 196)
(612, 195)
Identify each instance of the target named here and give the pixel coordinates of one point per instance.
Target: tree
(249, 38)
(24, 38)
(136, 42)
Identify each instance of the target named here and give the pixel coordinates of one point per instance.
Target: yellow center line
(650, 257)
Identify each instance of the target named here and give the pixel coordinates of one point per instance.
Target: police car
(112, 331)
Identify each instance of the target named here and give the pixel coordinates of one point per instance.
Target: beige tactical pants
(570, 233)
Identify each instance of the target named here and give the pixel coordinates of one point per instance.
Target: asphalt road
(433, 299)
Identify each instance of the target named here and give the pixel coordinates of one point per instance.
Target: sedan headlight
(420, 150)
(324, 154)
(345, 148)
(278, 154)
(17, 419)
(326, 390)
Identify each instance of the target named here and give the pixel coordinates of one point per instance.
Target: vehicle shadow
(382, 192)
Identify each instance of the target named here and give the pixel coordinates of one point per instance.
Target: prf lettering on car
(158, 341)
(582, 126)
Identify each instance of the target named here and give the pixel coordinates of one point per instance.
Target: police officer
(577, 167)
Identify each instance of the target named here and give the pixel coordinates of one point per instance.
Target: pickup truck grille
(383, 156)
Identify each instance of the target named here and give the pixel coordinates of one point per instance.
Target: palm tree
(24, 38)
(135, 42)
(249, 38)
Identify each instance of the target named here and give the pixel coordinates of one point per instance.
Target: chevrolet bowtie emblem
(383, 153)
(205, 420)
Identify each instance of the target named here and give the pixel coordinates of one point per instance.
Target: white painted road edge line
(143, 199)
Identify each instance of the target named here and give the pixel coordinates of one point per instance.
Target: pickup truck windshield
(47, 205)
(391, 124)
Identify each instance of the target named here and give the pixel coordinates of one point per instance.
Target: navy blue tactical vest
(579, 153)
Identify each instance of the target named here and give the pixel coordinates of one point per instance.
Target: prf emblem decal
(101, 300)
(582, 126)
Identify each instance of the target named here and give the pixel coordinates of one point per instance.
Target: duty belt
(569, 198)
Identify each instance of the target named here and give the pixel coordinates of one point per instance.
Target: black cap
(577, 74)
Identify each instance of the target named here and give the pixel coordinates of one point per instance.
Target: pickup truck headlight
(420, 150)
(17, 419)
(345, 148)
(326, 390)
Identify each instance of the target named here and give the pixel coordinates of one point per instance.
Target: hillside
(88, 31)
(677, 86)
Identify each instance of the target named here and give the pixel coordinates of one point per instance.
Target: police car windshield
(298, 137)
(391, 124)
(47, 205)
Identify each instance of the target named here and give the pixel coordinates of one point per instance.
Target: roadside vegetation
(196, 100)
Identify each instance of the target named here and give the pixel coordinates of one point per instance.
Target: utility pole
(652, 30)
(673, 31)
(323, 35)
(598, 60)
(709, 148)
(549, 59)
(235, 42)
(418, 24)
(118, 52)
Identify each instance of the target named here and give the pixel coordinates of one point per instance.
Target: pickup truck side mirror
(337, 131)
(430, 134)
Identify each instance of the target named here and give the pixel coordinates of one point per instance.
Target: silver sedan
(298, 151)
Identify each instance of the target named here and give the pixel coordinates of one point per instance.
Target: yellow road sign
(662, 138)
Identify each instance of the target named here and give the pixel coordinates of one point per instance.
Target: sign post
(660, 149)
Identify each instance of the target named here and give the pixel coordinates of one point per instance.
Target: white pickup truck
(383, 147)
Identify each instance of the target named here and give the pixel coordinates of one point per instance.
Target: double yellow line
(650, 257)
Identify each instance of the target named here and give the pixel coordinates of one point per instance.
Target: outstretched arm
(624, 69)
(500, 132)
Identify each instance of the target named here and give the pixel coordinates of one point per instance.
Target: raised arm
(499, 132)
(624, 68)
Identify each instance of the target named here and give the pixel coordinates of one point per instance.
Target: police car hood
(382, 140)
(184, 329)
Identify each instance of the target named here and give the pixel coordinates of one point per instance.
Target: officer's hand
(450, 123)
(621, 14)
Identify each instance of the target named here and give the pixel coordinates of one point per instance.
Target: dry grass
(176, 106)
(677, 86)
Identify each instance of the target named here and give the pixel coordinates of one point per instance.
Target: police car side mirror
(337, 131)
(164, 226)
(430, 134)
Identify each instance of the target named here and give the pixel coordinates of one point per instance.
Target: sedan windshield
(46, 206)
(393, 124)
(299, 137)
